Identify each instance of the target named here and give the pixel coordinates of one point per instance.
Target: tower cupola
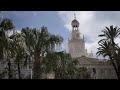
(75, 23)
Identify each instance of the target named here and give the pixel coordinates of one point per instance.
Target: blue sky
(35, 19)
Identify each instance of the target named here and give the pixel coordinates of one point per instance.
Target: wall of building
(102, 71)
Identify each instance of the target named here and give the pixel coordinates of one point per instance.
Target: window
(94, 70)
(30, 67)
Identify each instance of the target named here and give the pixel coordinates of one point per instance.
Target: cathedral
(100, 69)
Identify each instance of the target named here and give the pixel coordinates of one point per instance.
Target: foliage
(5, 53)
(3, 74)
(65, 67)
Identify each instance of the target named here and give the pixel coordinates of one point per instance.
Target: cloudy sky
(59, 22)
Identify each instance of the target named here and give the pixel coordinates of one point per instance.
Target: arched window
(94, 70)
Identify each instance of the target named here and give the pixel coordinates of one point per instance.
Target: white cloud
(18, 31)
(91, 24)
(11, 32)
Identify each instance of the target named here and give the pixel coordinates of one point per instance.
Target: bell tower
(75, 29)
(76, 44)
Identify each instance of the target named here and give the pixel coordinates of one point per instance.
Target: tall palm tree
(105, 50)
(5, 26)
(31, 40)
(108, 46)
(38, 43)
(18, 50)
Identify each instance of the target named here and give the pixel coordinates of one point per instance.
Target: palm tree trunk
(119, 68)
(9, 69)
(36, 67)
(115, 64)
(36, 70)
(116, 70)
(1, 51)
(19, 73)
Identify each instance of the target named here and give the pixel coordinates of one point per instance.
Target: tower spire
(74, 16)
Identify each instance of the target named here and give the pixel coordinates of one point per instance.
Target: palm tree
(5, 26)
(64, 67)
(18, 50)
(117, 58)
(55, 62)
(108, 46)
(31, 39)
(105, 50)
(38, 43)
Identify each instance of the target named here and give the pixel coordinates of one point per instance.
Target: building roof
(75, 21)
(93, 61)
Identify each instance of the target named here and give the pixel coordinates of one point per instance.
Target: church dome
(75, 23)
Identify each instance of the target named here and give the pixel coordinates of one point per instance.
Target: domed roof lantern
(75, 23)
